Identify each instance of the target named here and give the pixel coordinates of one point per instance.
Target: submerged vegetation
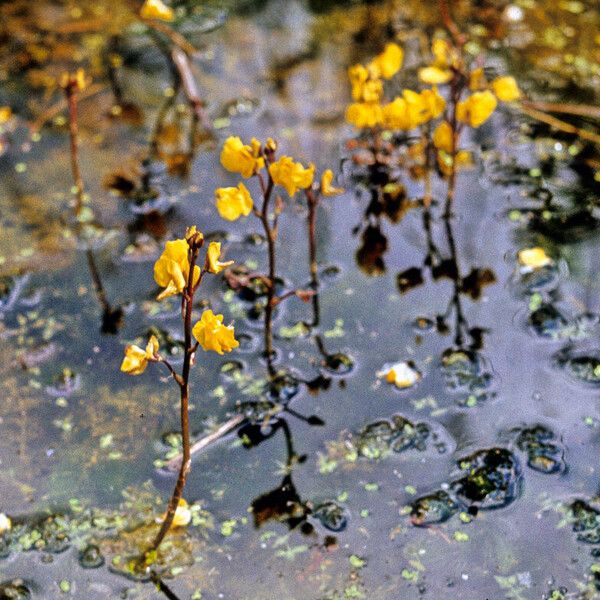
(423, 177)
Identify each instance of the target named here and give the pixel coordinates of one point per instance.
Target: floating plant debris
(402, 375)
(332, 515)
(432, 509)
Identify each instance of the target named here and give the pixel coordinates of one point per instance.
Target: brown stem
(182, 62)
(176, 38)
(184, 387)
(559, 124)
(582, 110)
(71, 93)
(454, 97)
(449, 23)
(270, 235)
(313, 202)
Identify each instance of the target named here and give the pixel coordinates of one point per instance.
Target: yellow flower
(136, 359)
(239, 158)
(326, 188)
(213, 254)
(418, 107)
(213, 335)
(462, 159)
(506, 89)
(532, 259)
(291, 175)
(5, 523)
(363, 114)
(396, 116)
(442, 136)
(389, 62)
(182, 516)
(77, 80)
(358, 75)
(5, 114)
(434, 102)
(434, 75)
(477, 108)
(156, 9)
(172, 269)
(477, 80)
(442, 52)
(232, 202)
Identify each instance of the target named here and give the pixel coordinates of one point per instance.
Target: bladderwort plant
(112, 316)
(259, 161)
(177, 271)
(427, 123)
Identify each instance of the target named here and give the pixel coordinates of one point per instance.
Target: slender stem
(71, 93)
(98, 287)
(184, 387)
(450, 24)
(454, 97)
(313, 202)
(267, 190)
(456, 300)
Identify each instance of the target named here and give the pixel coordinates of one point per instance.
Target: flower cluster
(172, 272)
(474, 98)
(251, 160)
(411, 108)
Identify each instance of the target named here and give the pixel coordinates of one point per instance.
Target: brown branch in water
(222, 430)
(559, 124)
(182, 62)
(176, 38)
(71, 95)
(581, 110)
(56, 109)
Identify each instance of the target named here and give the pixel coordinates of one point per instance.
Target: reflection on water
(330, 483)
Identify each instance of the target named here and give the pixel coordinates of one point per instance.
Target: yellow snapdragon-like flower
(358, 75)
(396, 115)
(364, 114)
(156, 9)
(291, 175)
(233, 202)
(5, 114)
(442, 52)
(434, 102)
(78, 79)
(389, 62)
(238, 157)
(136, 359)
(213, 254)
(213, 335)
(172, 269)
(477, 108)
(442, 137)
(477, 80)
(506, 89)
(326, 188)
(434, 75)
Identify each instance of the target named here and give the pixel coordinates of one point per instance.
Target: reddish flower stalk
(187, 301)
